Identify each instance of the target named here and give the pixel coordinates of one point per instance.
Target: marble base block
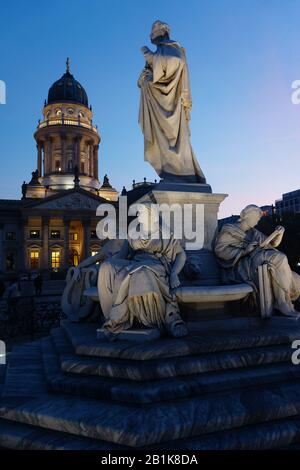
(193, 194)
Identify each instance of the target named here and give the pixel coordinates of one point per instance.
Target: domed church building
(53, 226)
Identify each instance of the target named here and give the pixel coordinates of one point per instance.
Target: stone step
(280, 434)
(25, 437)
(121, 390)
(145, 425)
(275, 435)
(201, 339)
(166, 367)
(174, 367)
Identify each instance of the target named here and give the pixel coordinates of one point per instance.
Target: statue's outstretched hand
(174, 280)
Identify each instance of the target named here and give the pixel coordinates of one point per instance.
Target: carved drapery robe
(164, 108)
(137, 289)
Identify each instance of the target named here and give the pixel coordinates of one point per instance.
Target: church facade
(53, 225)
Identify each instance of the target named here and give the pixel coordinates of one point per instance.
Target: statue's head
(159, 30)
(251, 215)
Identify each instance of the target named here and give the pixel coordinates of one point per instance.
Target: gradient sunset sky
(243, 56)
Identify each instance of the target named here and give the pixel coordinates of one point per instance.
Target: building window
(10, 262)
(82, 167)
(34, 259)
(74, 237)
(9, 236)
(55, 234)
(70, 111)
(70, 165)
(93, 234)
(34, 234)
(58, 112)
(55, 259)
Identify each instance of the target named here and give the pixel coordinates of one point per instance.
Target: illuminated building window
(9, 236)
(74, 236)
(34, 234)
(55, 259)
(34, 259)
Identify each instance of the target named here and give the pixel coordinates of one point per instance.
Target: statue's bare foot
(175, 325)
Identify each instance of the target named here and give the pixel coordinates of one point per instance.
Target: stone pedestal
(193, 195)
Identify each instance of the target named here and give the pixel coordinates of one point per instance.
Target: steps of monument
(164, 368)
(122, 390)
(154, 424)
(142, 425)
(180, 367)
(191, 420)
(20, 436)
(279, 434)
(205, 337)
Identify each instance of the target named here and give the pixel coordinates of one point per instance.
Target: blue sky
(243, 56)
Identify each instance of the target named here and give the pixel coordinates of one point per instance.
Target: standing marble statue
(240, 249)
(136, 286)
(165, 109)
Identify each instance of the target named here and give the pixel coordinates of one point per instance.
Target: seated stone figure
(136, 285)
(75, 305)
(240, 249)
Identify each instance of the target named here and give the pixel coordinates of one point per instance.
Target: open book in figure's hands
(278, 231)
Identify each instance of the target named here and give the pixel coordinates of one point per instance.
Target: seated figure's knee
(277, 257)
